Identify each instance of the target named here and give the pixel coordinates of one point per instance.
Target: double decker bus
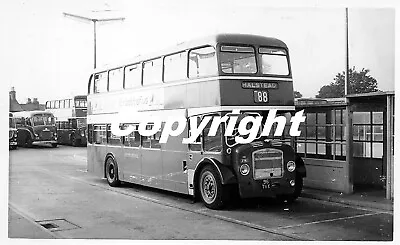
(209, 76)
(70, 119)
(35, 127)
(12, 132)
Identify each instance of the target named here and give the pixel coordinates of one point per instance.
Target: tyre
(54, 145)
(112, 172)
(213, 194)
(297, 191)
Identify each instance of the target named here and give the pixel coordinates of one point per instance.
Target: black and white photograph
(197, 121)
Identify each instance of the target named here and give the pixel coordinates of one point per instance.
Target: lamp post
(94, 20)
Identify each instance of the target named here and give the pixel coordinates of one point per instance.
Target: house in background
(29, 106)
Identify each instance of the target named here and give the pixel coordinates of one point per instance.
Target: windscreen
(274, 61)
(11, 122)
(43, 119)
(238, 60)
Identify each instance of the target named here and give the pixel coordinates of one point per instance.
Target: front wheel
(54, 145)
(112, 172)
(213, 194)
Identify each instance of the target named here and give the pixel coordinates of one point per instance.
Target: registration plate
(260, 96)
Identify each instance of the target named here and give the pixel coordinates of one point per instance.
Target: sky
(49, 56)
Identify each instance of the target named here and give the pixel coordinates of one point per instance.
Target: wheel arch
(300, 166)
(227, 176)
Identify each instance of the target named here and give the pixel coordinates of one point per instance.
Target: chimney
(29, 101)
(13, 94)
(35, 101)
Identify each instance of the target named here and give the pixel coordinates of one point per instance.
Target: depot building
(348, 161)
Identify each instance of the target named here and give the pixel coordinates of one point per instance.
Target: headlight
(291, 166)
(36, 135)
(244, 169)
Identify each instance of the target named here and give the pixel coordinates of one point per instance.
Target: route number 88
(260, 96)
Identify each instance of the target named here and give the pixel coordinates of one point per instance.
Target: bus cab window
(196, 145)
(212, 143)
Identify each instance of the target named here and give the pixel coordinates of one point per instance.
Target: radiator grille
(267, 163)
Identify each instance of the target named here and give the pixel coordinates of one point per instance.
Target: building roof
(371, 94)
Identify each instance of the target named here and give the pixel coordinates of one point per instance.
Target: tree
(360, 82)
(297, 94)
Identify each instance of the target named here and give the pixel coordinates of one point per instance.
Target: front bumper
(13, 143)
(44, 142)
(265, 188)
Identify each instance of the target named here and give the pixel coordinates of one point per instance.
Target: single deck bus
(209, 76)
(70, 117)
(35, 127)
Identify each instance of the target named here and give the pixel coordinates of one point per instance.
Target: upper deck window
(238, 60)
(100, 82)
(274, 61)
(202, 62)
(133, 76)
(80, 103)
(115, 79)
(175, 67)
(152, 72)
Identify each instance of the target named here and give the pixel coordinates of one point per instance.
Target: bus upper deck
(232, 70)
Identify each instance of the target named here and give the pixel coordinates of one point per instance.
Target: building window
(368, 134)
(323, 135)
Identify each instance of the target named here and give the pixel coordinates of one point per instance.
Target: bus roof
(227, 38)
(30, 113)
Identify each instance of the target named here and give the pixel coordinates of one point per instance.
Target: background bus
(35, 127)
(210, 76)
(70, 119)
(12, 132)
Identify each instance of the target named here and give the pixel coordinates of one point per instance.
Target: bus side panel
(152, 167)
(95, 159)
(203, 94)
(130, 162)
(173, 97)
(174, 162)
(232, 93)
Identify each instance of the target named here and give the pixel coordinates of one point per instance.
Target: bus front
(256, 78)
(43, 128)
